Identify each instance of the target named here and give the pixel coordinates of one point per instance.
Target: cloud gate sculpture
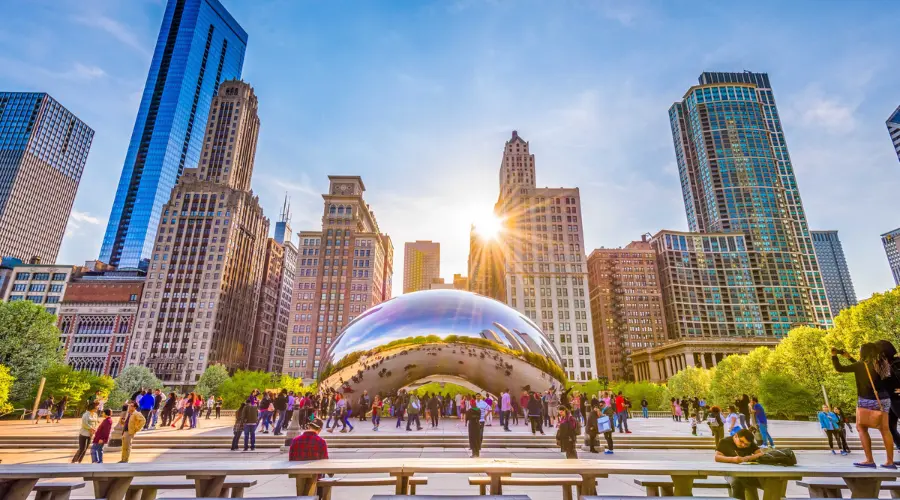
(441, 335)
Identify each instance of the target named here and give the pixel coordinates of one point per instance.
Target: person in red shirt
(622, 413)
(309, 445)
(101, 437)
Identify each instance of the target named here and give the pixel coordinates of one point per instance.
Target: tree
(690, 382)
(212, 379)
(64, 381)
(727, 384)
(103, 383)
(784, 397)
(805, 356)
(6, 383)
(29, 343)
(236, 389)
(133, 378)
(876, 318)
(636, 391)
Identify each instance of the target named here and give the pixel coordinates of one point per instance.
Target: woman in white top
(732, 421)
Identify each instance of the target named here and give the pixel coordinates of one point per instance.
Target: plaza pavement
(447, 484)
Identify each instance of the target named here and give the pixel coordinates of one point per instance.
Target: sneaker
(608, 452)
(627, 432)
(834, 452)
(844, 453)
(343, 431)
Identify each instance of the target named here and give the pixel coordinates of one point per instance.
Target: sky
(418, 98)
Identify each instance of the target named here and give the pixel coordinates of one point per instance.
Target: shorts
(873, 404)
(43, 412)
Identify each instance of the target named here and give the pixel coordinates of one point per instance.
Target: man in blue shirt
(146, 403)
(759, 415)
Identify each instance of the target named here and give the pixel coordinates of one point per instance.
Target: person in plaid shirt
(309, 445)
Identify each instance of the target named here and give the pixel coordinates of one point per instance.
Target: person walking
(132, 422)
(412, 412)
(434, 406)
(280, 407)
(251, 421)
(377, 406)
(188, 412)
(60, 410)
(762, 423)
(828, 421)
(874, 382)
(101, 437)
(145, 403)
(198, 409)
(843, 426)
(645, 408)
(218, 407)
(44, 410)
(238, 428)
(505, 409)
(265, 412)
(716, 424)
(743, 408)
(167, 409)
(210, 404)
(679, 412)
(89, 424)
(606, 425)
(535, 413)
(622, 413)
(732, 421)
(475, 428)
(566, 433)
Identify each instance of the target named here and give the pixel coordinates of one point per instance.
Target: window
(57, 277)
(23, 276)
(42, 276)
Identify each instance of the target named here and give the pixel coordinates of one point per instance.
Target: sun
(489, 227)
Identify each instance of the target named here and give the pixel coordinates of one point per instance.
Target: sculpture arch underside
(482, 367)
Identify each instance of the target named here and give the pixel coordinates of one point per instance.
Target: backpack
(783, 457)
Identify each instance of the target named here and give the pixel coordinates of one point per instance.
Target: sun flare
(489, 227)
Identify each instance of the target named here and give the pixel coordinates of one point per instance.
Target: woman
(732, 421)
(828, 422)
(179, 410)
(743, 407)
(198, 409)
(844, 427)
(377, 405)
(218, 407)
(489, 418)
(44, 410)
(60, 409)
(566, 433)
(890, 354)
(535, 408)
(238, 427)
(672, 408)
(874, 383)
(167, 410)
(89, 424)
(716, 424)
(678, 411)
(265, 412)
(188, 415)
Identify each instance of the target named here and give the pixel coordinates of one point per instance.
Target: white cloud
(83, 217)
(83, 72)
(116, 29)
(813, 108)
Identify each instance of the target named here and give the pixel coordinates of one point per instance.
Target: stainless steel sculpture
(444, 335)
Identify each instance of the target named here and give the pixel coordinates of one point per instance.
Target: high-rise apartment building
(266, 314)
(545, 270)
(343, 269)
(203, 283)
(460, 282)
(286, 289)
(97, 318)
(43, 150)
(711, 302)
(891, 242)
(486, 266)
(421, 265)
(626, 305)
(736, 177)
(893, 126)
(747, 163)
(835, 273)
(199, 46)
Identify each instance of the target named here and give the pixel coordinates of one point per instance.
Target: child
(694, 420)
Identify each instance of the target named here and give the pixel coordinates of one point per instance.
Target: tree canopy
(211, 381)
(29, 343)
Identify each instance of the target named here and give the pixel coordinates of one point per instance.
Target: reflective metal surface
(441, 332)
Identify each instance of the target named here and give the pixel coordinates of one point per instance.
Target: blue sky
(418, 98)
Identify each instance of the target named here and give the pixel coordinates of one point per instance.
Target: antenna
(286, 209)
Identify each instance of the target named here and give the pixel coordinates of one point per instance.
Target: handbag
(604, 424)
(874, 390)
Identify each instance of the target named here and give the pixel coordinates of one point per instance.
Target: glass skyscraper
(835, 273)
(199, 46)
(43, 150)
(891, 242)
(736, 178)
(893, 126)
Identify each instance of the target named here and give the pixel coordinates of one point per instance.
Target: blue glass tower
(199, 46)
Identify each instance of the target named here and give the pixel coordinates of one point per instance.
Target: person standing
(606, 425)
(60, 409)
(157, 404)
(210, 404)
(188, 415)
(412, 412)
(743, 407)
(434, 407)
(218, 407)
(535, 413)
(475, 428)
(101, 437)
(132, 422)
(843, 426)
(505, 409)
(566, 434)
(251, 420)
(145, 402)
(716, 424)
(365, 403)
(593, 430)
(645, 410)
(281, 408)
(762, 423)
(88, 427)
(238, 427)
(828, 421)
(167, 409)
(44, 410)
(732, 421)
(377, 405)
(622, 413)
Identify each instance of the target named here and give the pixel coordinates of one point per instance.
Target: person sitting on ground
(738, 449)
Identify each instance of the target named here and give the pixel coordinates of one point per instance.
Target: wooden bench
(567, 483)
(56, 490)
(666, 487)
(452, 497)
(831, 488)
(146, 489)
(597, 497)
(255, 498)
(326, 484)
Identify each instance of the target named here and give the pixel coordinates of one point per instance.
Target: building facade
(891, 242)
(545, 270)
(659, 363)
(736, 177)
(97, 319)
(460, 282)
(199, 46)
(343, 269)
(43, 150)
(203, 284)
(42, 284)
(421, 265)
(486, 266)
(893, 126)
(267, 312)
(835, 273)
(626, 305)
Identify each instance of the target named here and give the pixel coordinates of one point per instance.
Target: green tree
(64, 381)
(784, 397)
(805, 356)
(236, 389)
(876, 318)
(132, 379)
(29, 343)
(211, 381)
(727, 383)
(6, 383)
(636, 391)
(103, 383)
(690, 382)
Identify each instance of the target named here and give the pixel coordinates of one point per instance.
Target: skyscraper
(626, 305)
(545, 270)
(421, 265)
(199, 46)
(893, 126)
(203, 283)
(43, 149)
(835, 273)
(891, 242)
(486, 266)
(736, 177)
(771, 121)
(343, 269)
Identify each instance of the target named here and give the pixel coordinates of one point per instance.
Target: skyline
(387, 99)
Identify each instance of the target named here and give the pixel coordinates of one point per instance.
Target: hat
(316, 424)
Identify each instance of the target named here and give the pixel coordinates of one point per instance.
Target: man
(157, 403)
(434, 408)
(475, 417)
(505, 409)
(621, 413)
(592, 429)
(281, 408)
(310, 446)
(251, 420)
(762, 423)
(146, 402)
(607, 430)
(289, 415)
(101, 437)
(644, 407)
(132, 422)
(365, 404)
(738, 449)
(412, 411)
